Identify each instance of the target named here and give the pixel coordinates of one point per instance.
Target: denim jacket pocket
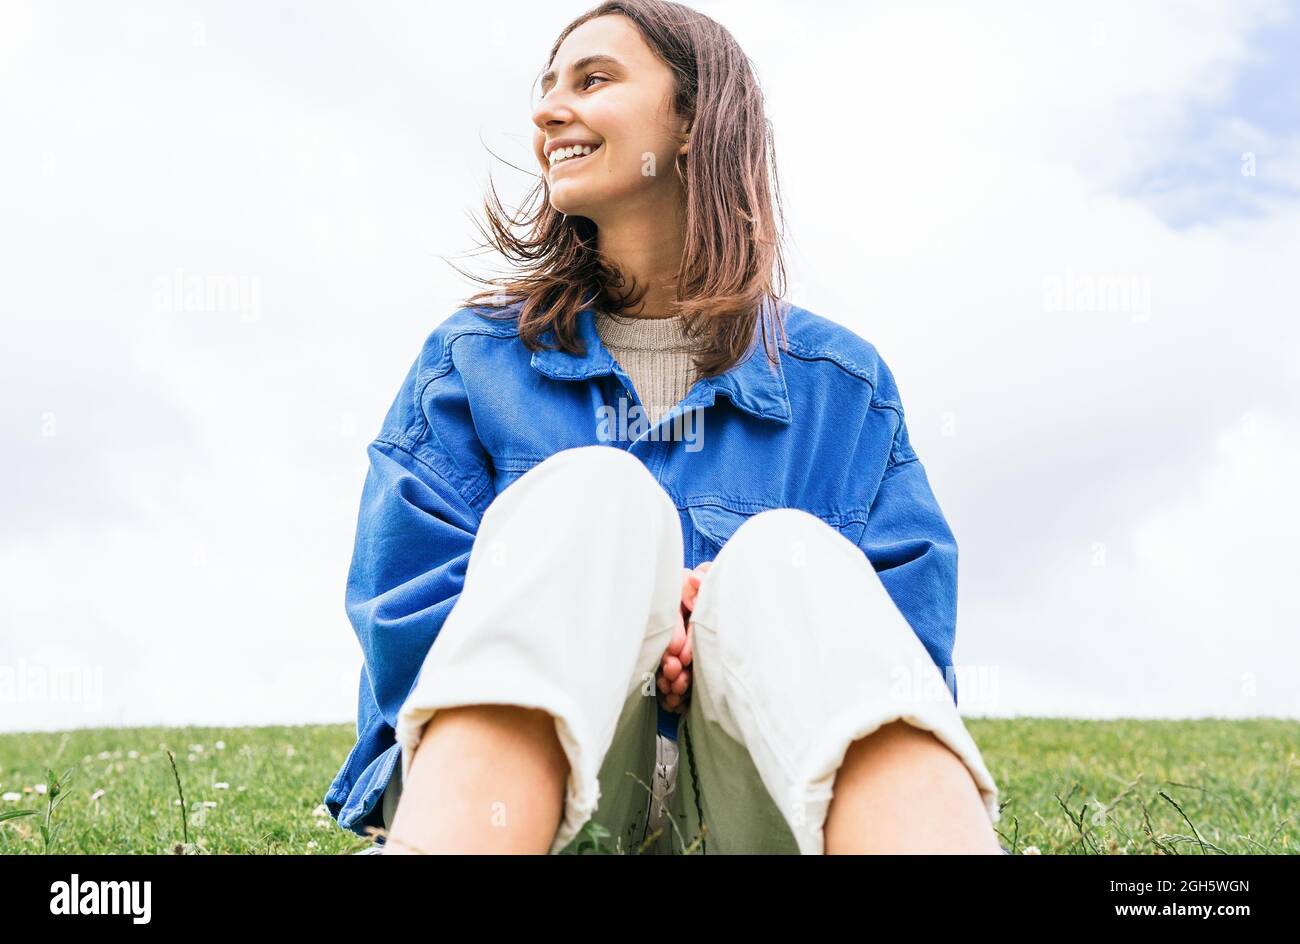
(506, 469)
(713, 526)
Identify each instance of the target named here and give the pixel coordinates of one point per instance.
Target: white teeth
(564, 153)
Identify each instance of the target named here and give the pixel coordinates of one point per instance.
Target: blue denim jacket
(823, 431)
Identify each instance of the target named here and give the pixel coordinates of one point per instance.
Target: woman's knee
(773, 557)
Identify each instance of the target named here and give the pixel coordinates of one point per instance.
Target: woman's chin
(570, 204)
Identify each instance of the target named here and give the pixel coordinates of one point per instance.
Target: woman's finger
(678, 638)
(689, 592)
(691, 586)
(690, 589)
(682, 684)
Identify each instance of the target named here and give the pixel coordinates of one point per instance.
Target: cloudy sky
(1065, 227)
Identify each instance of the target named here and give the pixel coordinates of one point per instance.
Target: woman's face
(620, 106)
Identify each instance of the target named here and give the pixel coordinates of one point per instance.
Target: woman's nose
(552, 110)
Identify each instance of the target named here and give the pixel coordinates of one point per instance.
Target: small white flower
(312, 845)
(193, 758)
(321, 810)
(209, 804)
(241, 788)
(12, 797)
(104, 755)
(323, 823)
(96, 795)
(221, 745)
(1030, 850)
(288, 750)
(133, 754)
(40, 788)
(221, 786)
(197, 748)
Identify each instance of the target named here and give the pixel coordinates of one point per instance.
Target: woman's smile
(562, 157)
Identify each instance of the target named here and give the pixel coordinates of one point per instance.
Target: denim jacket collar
(755, 385)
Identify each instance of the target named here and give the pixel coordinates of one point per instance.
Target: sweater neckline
(632, 333)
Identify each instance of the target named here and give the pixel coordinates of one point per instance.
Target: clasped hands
(673, 678)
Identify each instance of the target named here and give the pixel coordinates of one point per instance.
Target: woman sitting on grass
(546, 601)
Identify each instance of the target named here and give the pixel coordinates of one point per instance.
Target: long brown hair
(732, 276)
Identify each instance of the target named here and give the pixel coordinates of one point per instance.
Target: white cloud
(188, 527)
(1187, 612)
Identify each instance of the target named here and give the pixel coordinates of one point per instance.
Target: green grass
(1067, 787)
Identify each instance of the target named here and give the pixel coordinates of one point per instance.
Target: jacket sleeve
(913, 550)
(415, 530)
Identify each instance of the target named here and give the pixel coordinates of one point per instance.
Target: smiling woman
(545, 606)
(626, 206)
(617, 110)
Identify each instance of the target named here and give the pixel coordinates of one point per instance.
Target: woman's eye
(590, 77)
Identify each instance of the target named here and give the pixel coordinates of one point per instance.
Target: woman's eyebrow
(579, 65)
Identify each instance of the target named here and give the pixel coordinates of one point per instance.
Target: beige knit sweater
(655, 355)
